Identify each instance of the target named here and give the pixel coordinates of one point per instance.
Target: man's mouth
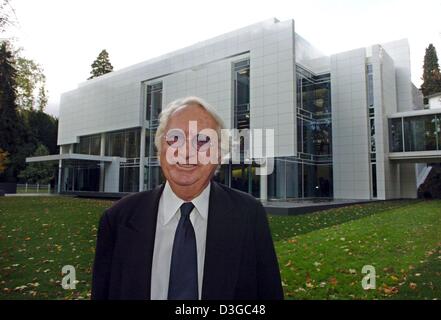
(186, 166)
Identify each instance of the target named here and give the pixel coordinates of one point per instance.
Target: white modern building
(347, 126)
(434, 101)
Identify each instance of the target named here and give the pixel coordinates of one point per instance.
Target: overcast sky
(65, 36)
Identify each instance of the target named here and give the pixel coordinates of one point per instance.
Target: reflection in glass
(420, 133)
(241, 99)
(154, 101)
(396, 135)
(89, 145)
(294, 179)
(129, 179)
(123, 143)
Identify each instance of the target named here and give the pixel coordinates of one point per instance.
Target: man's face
(188, 173)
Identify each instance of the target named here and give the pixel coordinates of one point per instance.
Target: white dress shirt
(168, 218)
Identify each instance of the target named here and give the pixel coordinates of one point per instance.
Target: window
(421, 133)
(371, 123)
(370, 85)
(314, 126)
(396, 135)
(241, 73)
(123, 143)
(154, 102)
(89, 145)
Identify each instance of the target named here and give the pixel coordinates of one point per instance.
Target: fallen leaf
(333, 281)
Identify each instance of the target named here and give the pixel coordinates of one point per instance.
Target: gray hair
(165, 115)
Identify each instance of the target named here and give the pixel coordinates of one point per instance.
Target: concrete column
(112, 175)
(60, 165)
(141, 159)
(263, 188)
(408, 180)
(102, 166)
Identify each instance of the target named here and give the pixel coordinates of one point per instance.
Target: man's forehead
(183, 115)
(189, 109)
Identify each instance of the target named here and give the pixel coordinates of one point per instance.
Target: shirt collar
(172, 203)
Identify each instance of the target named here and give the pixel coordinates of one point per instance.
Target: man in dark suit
(190, 238)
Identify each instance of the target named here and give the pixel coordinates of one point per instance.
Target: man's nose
(190, 151)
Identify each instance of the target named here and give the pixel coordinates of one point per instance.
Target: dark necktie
(183, 282)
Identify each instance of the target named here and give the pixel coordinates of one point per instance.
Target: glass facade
(396, 135)
(154, 101)
(241, 176)
(123, 143)
(80, 175)
(371, 116)
(314, 126)
(152, 172)
(89, 145)
(241, 71)
(294, 178)
(126, 144)
(417, 133)
(309, 175)
(129, 178)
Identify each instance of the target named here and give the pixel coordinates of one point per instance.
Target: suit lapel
(140, 237)
(223, 245)
(222, 253)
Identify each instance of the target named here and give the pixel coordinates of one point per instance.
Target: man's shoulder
(238, 197)
(126, 206)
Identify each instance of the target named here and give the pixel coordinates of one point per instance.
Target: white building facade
(330, 116)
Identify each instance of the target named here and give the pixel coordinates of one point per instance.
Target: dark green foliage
(43, 129)
(431, 73)
(12, 130)
(21, 130)
(431, 188)
(101, 65)
(39, 172)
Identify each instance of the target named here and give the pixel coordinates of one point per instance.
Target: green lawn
(321, 254)
(38, 236)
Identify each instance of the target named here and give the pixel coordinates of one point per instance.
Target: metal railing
(34, 188)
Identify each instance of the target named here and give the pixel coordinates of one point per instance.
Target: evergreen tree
(14, 136)
(9, 118)
(43, 129)
(431, 73)
(101, 65)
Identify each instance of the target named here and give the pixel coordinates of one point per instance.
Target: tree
(14, 137)
(431, 72)
(7, 14)
(101, 65)
(43, 129)
(42, 99)
(9, 118)
(31, 83)
(39, 172)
